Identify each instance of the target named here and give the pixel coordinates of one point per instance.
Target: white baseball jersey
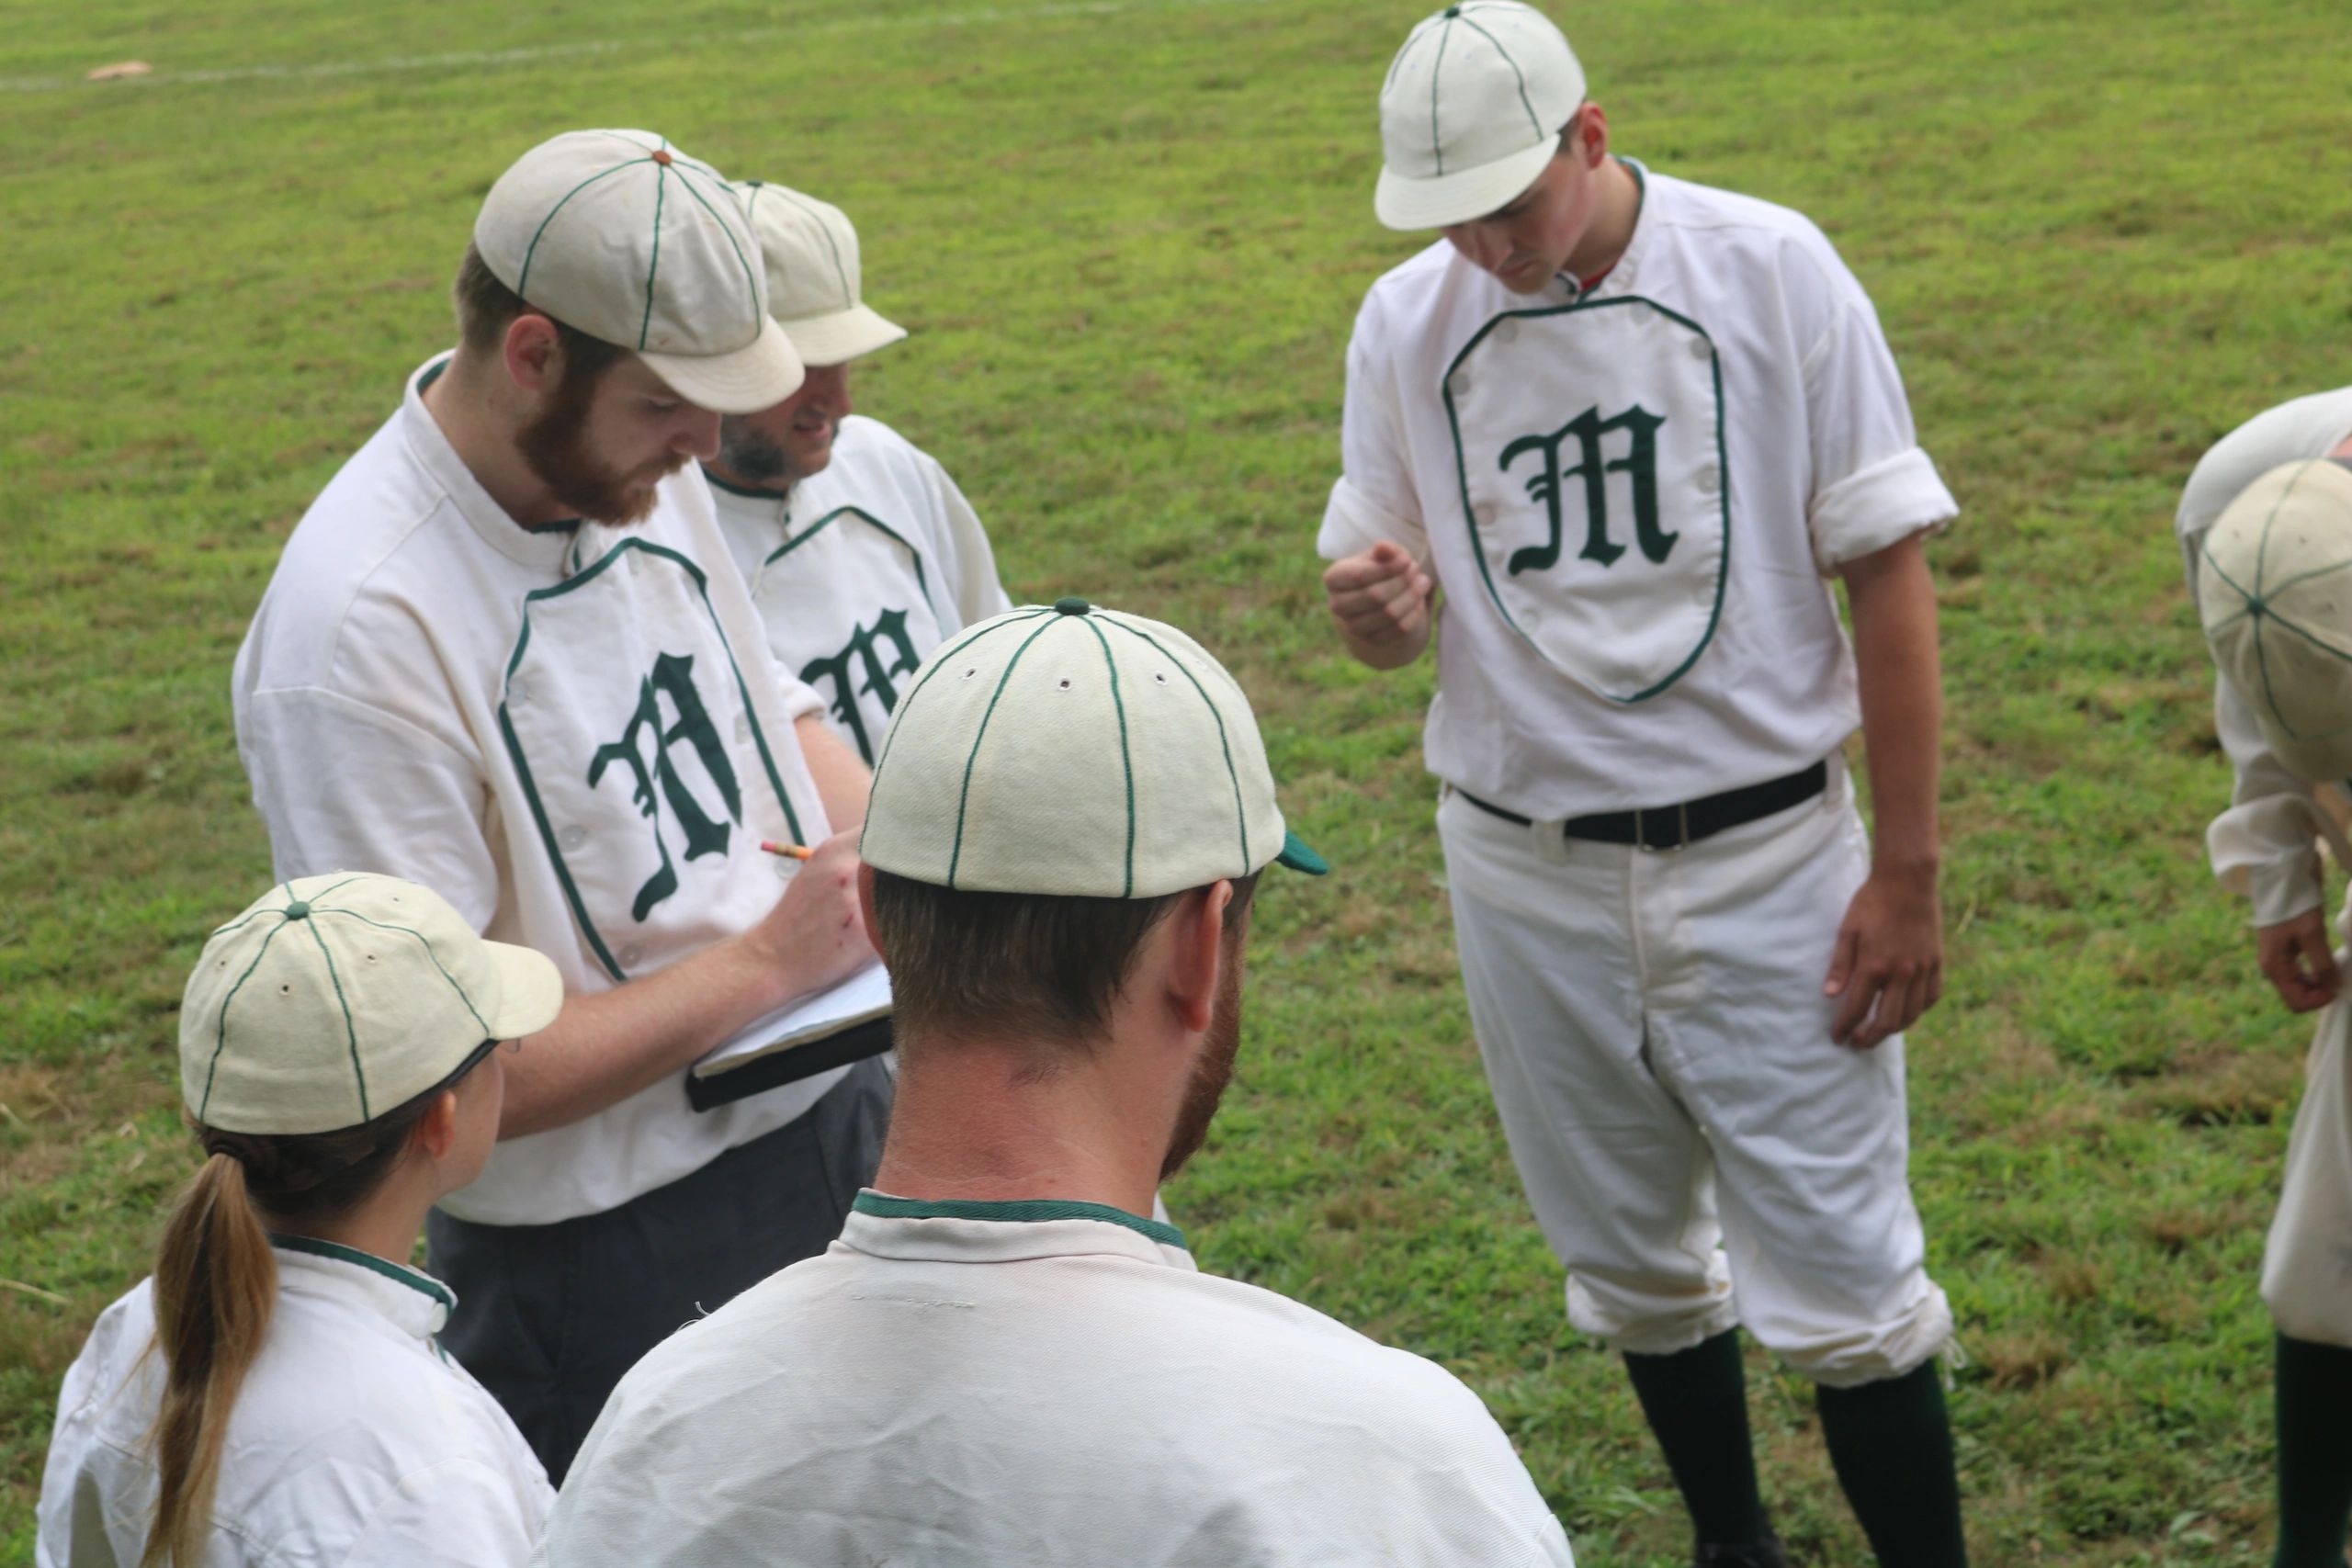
(2262, 845)
(1632, 498)
(574, 733)
(1047, 1382)
(860, 570)
(355, 1443)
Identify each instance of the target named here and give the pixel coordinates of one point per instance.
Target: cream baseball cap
(813, 280)
(333, 999)
(624, 237)
(1074, 750)
(2274, 589)
(1471, 112)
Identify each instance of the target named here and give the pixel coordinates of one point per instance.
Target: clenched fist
(1380, 601)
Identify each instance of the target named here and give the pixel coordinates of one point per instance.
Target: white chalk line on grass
(468, 59)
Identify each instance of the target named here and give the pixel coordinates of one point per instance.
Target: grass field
(1130, 239)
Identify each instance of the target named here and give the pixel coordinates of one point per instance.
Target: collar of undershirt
(411, 1298)
(1583, 286)
(1021, 1211)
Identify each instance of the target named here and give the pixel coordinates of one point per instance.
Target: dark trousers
(550, 1317)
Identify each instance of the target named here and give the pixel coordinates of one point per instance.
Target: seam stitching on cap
(532, 250)
(964, 798)
(840, 269)
(1127, 759)
(1515, 70)
(750, 279)
(1437, 151)
(1233, 776)
(422, 941)
(938, 661)
(350, 1029)
(653, 262)
(221, 1032)
(1397, 64)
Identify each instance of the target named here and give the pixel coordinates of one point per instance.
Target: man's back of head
(1003, 1359)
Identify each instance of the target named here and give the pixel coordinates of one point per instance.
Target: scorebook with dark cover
(777, 1069)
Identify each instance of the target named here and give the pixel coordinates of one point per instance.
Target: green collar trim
(424, 1284)
(1021, 1210)
(717, 483)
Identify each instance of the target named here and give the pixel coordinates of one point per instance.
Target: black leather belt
(1671, 827)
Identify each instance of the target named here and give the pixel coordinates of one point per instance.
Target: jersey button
(571, 838)
(1701, 349)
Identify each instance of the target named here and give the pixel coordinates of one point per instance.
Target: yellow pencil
(798, 852)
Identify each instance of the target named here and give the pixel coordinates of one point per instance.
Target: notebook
(831, 1028)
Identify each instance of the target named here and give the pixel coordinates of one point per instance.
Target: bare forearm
(1892, 600)
(606, 1046)
(843, 779)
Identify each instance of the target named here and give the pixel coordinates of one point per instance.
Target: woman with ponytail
(273, 1393)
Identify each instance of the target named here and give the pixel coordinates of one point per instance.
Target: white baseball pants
(2307, 1265)
(1697, 1149)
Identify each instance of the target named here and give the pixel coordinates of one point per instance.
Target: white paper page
(863, 995)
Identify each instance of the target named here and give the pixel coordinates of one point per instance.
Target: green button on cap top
(298, 910)
(1072, 606)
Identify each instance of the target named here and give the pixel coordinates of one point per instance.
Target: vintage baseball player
(861, 552)
(1003, 1359)
(1630, 427)
(2265, 530)
(573, 728)
(334, 1067)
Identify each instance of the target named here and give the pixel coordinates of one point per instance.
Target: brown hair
(485, 306)
(216, 1282)
(1018, 965)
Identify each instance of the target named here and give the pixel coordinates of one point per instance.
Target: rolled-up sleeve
(1872, 486)
(2266, 845)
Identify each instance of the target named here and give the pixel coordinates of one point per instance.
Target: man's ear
(865, 910)
(1595, 144)
(1198, 959)
(435, 1132)
(533, 355)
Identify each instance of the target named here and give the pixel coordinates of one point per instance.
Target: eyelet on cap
(1071, 605)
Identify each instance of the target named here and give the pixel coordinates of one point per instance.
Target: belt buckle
(1681, 829)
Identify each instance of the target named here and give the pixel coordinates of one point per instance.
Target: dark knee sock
(1696, 1403)
(2315, 1405)
(1890, 1442)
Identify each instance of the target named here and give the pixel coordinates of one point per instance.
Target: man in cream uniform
(860, 551)
(504, 655)
(1631, 427)
(2266, 527)
(1003, 1359)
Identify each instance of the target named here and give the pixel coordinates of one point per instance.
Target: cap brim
(1296, 855)
(839, 337)
(760, 375)
(1405, 203)
(530, 991)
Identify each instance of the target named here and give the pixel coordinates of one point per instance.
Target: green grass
(1130, 241)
